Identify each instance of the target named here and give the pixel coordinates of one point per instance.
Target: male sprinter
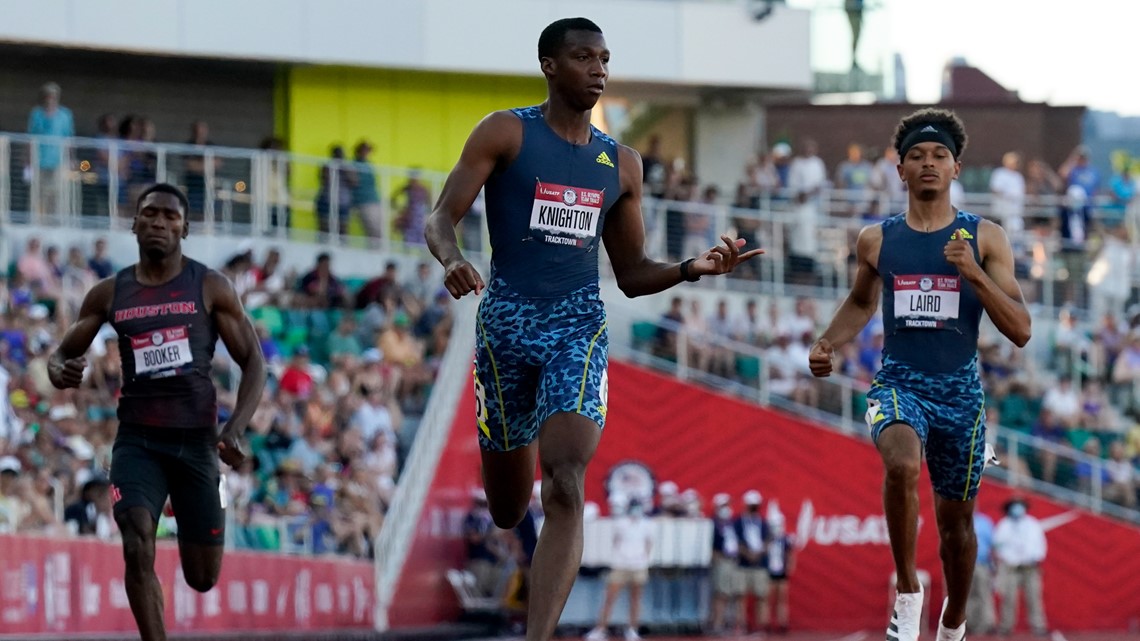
(169, 311)
(938, 269)
(554, 184)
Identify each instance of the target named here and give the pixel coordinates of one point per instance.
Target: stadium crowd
(351, 364)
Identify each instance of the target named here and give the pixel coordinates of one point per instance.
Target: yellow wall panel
(412, 118)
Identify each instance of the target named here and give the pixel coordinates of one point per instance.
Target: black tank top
(166, 340)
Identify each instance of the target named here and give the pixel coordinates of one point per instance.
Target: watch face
(631, 480)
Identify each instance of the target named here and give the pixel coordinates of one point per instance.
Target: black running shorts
(150, 463)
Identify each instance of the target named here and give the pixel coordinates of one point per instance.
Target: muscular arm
(495, 140)
(997, 287)
(237, 333)
(94, 311)
(860, 305)
(624, 236)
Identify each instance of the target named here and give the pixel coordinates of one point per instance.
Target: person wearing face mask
(781, 562)
(725, 575)
(633, 536)
(1019, 544)
(752, 532)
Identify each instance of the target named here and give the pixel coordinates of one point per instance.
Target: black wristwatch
(685, 275)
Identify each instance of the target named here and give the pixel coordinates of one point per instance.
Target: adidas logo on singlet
(603, 159)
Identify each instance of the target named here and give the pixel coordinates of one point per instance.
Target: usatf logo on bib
(927, 301)
(162, 353)
(564, 215)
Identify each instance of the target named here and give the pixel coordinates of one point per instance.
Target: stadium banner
(50, 586)
(827, 485)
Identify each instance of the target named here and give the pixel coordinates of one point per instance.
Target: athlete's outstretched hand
(461, 277)
(722, 258)
(959, 253)
(69, 375)
(819, 360)
(229, 447)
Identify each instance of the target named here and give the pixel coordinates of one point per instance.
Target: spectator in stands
(365, 197)
(51, 119)
(91, 514)
(1007, 189)
(890, 192)
(696, 329)
(1042, 185)
(1121, 487)
(336, 178)
(413, 202)
(75, 280)
(322, 289)
(36, 272)
(653, 168)
(1078, 171)
(1063, 401)
(753, 535)
(381, 288)
(1108, 292)
(1076, 227)
(10, 505)
(781, 561)
(980, 614)
(378, 413)
(725, 576)
(297, 380)
(404, 352)
(343, 342)
(807, 178)
(748, 327)
(1070, 342)
(482, 559)
(853, 177)
(279, 200)
(633, 538)
(722, 360)
(269, 283)
(681, 192)
(699, 223)
(746, 220)
(1019, 544)
(418, 289)
(99, 263)
(194, 168)
(665, 345)
(668, 501)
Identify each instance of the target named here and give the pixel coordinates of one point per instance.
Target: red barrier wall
(828, 485)
(76, 585)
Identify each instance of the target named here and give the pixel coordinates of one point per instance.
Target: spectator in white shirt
(633, 536)
(1063, 401)
(722, 357)
(748, 327)
(1019, 544)
(807, 178)
(1121, 486)
(1007, 186)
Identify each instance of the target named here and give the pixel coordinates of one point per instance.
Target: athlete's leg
(901, 451)
(959, 551)
(196, 495)
(508, 478)
(201, 564)
(567, 442)
(144, 592)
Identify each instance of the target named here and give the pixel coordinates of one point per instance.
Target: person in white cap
(781, 562)
(668, 503)
(725, 575)
(633, 537)
(10, 505)
(752, 532)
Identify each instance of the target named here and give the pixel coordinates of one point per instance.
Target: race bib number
(927, 302)
(564, 215)
(162, 353)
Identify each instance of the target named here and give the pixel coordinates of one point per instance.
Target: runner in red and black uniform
(169, 312)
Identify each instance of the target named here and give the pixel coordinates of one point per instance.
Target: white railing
(399, 528)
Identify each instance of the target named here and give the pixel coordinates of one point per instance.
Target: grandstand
(347, 522)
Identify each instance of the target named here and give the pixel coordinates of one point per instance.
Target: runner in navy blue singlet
(937, 268)
(169, 312)
(556, 188)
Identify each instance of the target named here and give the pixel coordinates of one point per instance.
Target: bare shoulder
(102, 294)
(218, 288)
(991, 237)
(630, 167)
(869, 243)
(501, 126)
